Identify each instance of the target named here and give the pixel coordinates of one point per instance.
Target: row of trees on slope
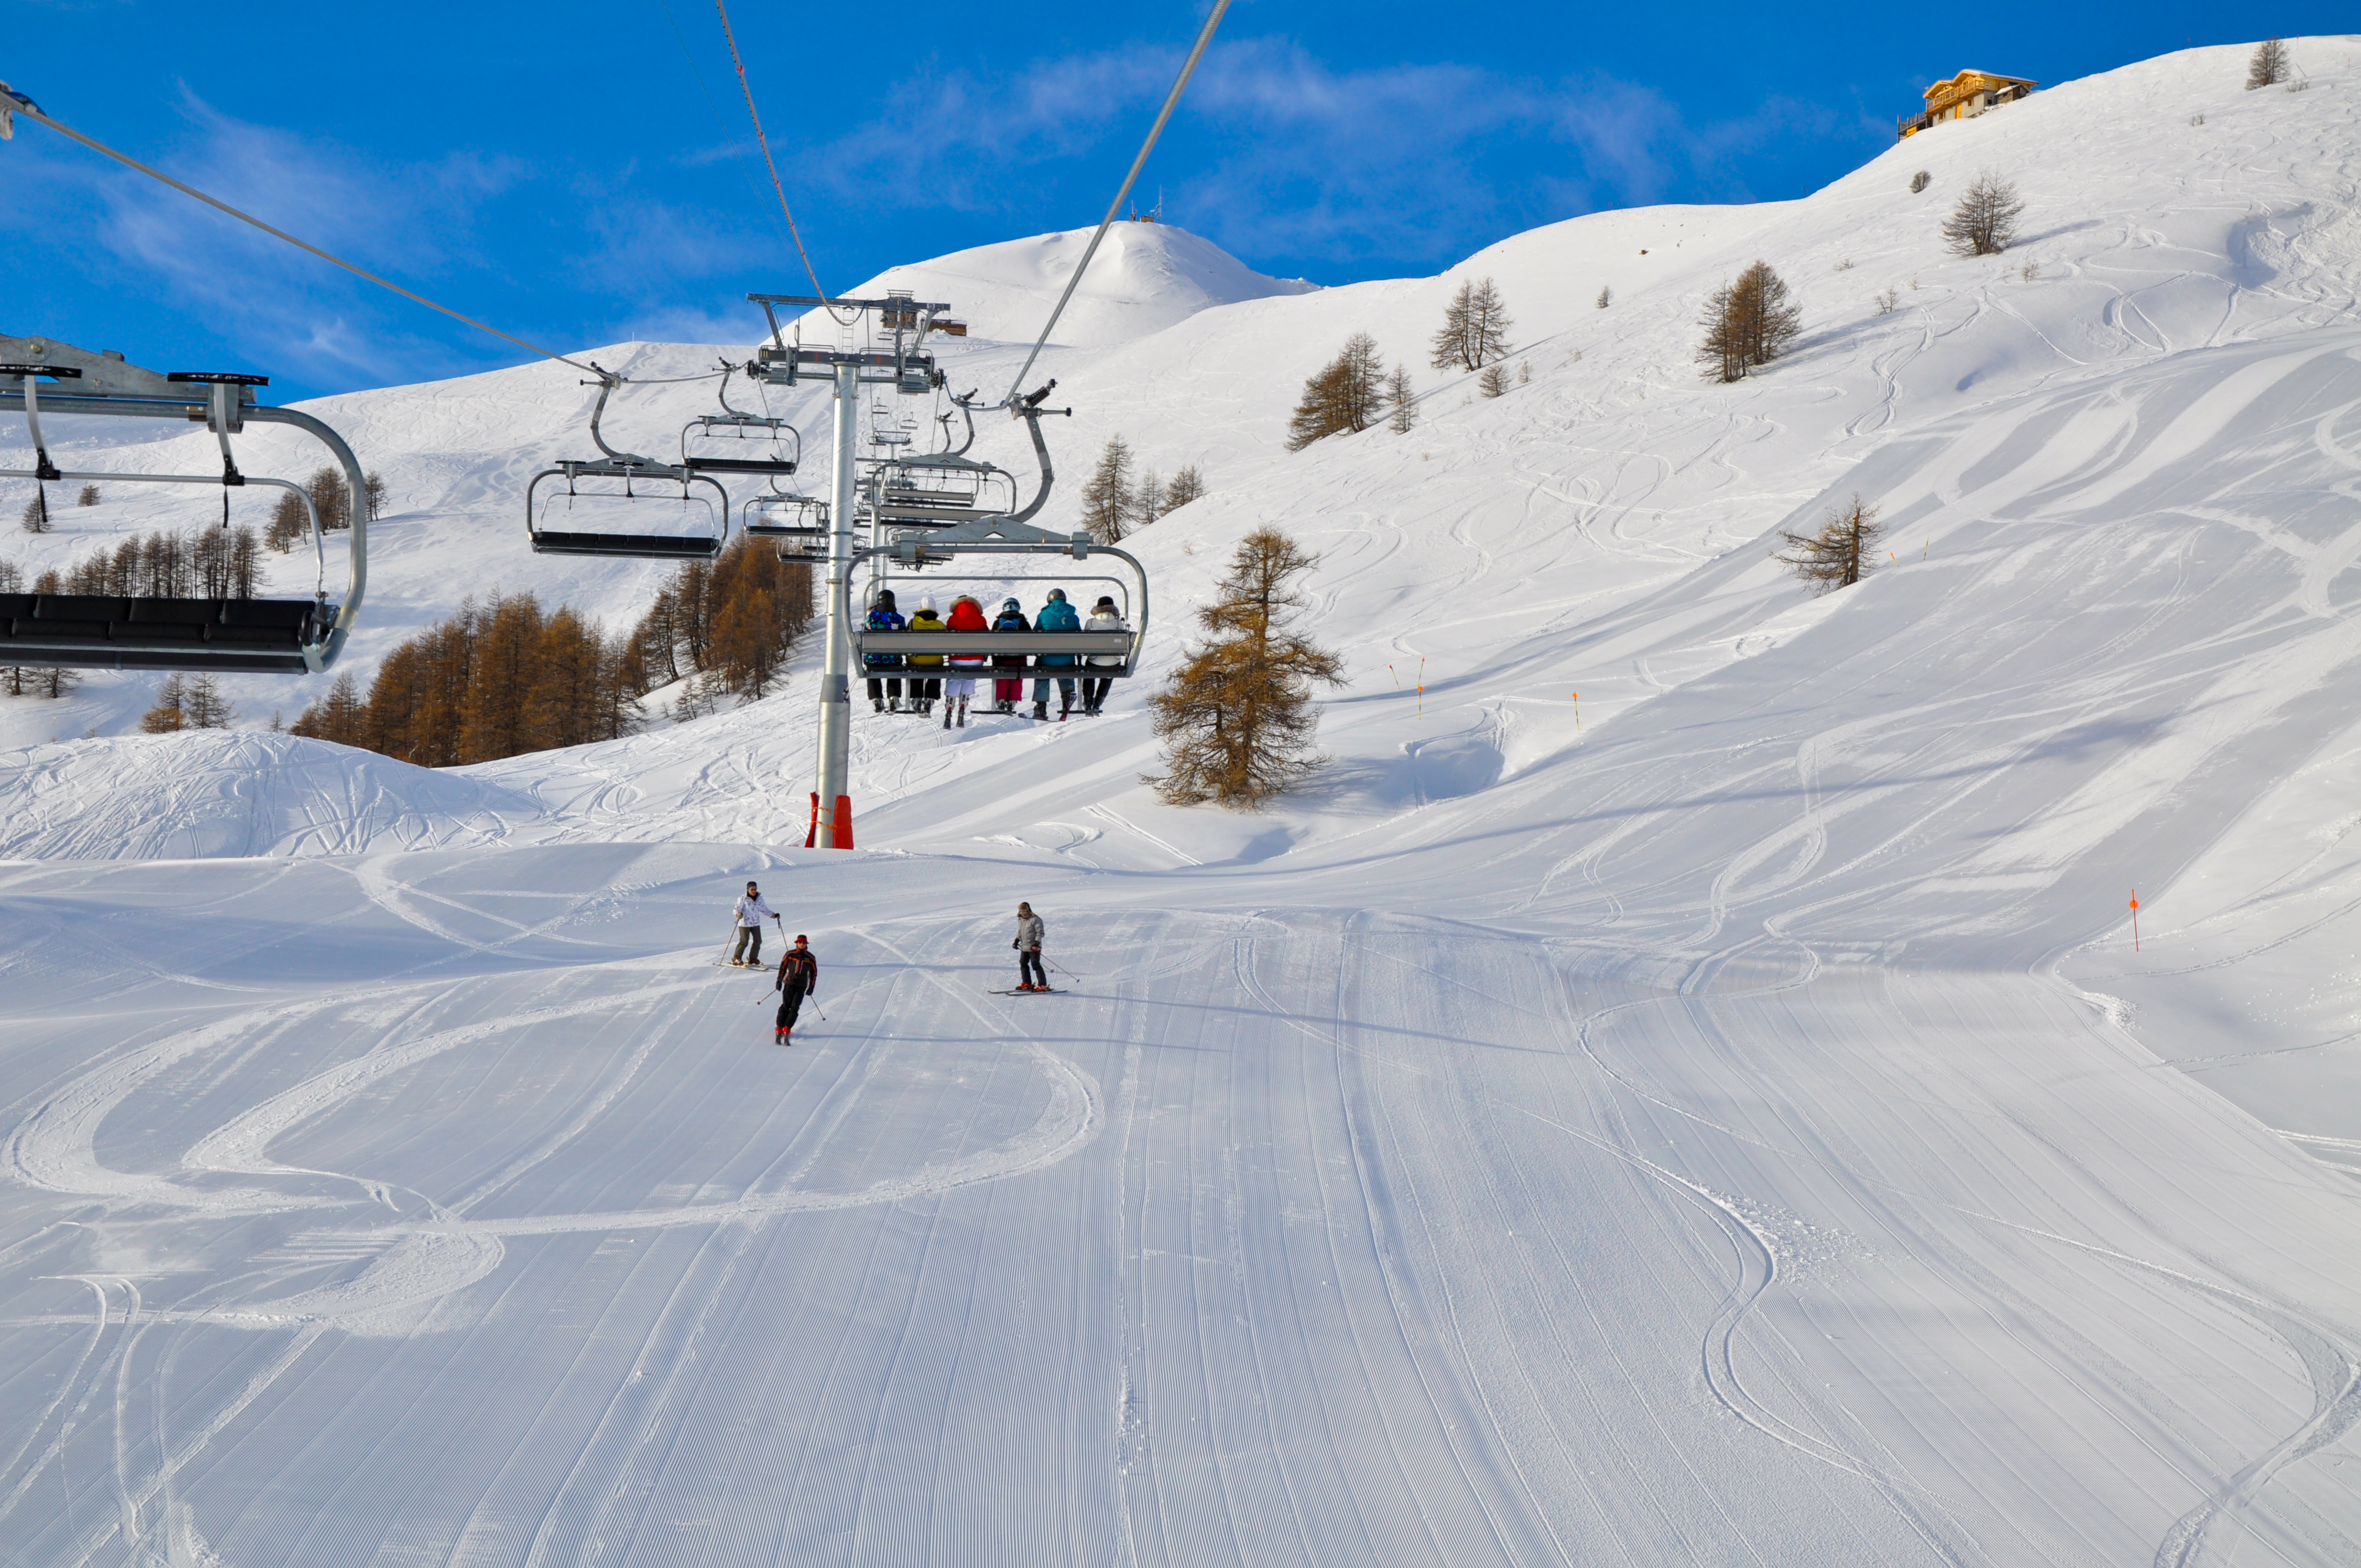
(1355, 390)
(508, 676)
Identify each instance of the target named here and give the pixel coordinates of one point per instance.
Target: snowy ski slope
(1739, 1130)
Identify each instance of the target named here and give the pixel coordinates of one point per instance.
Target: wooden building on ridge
(1963, 97)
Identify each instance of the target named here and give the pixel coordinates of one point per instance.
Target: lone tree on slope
(1475, 330)
(2269, 65)
(1748, 322)
(1403, 401)
(1840, 554)
(1107, 506)
(1344, 395)
(1185, 486)
(1985, 220)
(1237, 720)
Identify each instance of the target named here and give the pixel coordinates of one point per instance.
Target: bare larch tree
(1403, 401)
(1985, 220)
(1475, 330)
(1107, 494)
(1840, 553)
(1185, 486)
(2268, 66)
(1748, 322)
(1343, 396)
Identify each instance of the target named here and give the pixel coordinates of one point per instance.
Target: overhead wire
(19, 103)
(1187, 68)
(715, 109)
(770, 163)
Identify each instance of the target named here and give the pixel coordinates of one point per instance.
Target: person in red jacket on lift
(966, 616)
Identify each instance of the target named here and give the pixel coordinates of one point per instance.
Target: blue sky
(584, 173)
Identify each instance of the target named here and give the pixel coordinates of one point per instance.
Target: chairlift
(940, 488)
(799, 524)
(1010, 535)
(290, 636)
(601, 495)
(734, 442)
(987, 590)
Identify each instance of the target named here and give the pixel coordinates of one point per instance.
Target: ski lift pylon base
(840, 825)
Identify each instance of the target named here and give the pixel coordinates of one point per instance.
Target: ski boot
(962, 717)
(1041, 711)
(947, 715)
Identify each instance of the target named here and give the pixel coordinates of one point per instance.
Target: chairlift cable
(768, 162)
(715, 109)
(1171, 100)
(18, 103)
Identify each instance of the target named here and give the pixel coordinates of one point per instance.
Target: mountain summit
(1145, 278)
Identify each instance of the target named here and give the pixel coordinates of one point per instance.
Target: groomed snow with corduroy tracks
(1728, 1122)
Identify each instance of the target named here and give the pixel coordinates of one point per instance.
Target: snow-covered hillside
(1734, 1125)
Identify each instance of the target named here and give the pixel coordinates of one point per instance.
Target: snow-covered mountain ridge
(1726, 1120)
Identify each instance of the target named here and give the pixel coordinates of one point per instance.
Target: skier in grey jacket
(1030, 932)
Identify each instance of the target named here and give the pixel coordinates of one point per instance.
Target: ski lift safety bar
(224, 402)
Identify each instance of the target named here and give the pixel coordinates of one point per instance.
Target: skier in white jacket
(1031, 929)
(750, 912)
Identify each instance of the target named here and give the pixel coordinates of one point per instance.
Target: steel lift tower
(898, 324)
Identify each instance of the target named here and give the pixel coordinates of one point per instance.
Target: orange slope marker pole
(1422, 688)
(1577, 709)
(2136, 920)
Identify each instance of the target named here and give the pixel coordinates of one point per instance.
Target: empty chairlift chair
(624, 504)
(734, 442)
(796, 523)
(293, 636)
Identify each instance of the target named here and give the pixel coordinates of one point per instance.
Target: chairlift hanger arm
(1029, 410)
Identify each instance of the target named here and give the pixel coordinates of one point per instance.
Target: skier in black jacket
(798, 978)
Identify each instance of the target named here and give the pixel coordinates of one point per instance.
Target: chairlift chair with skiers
(1009, 535)
(625, 504)
(291, 636)
(1082, 647)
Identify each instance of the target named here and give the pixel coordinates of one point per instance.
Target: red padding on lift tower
(844, 822)
(811, 836)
